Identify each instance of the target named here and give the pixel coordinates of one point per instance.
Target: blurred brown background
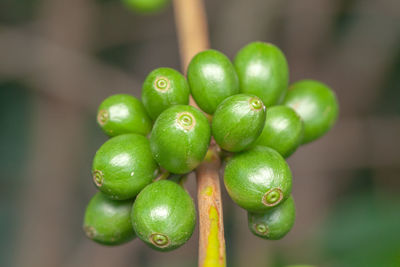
(60, 58)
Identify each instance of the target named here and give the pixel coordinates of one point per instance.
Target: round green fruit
(146, 6)
(283, 130)
(263, 71)
(238, 122)
(163, 88)
(108, 221)
(274, 224)
(121, 113)
(316, 104)
(212, 78)
(180, 138)
(258, 179)
(123, 166)
(164, 215)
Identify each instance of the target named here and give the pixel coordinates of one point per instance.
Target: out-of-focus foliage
(363, 227)
(390, 101)
(17, 11)
(119, 55)
(14, 146)
(344, 18)
(14, 107)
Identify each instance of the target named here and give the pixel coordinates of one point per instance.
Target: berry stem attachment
(162, 175)
(191, 24)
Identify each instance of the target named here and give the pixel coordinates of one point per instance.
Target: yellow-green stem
(211, 239)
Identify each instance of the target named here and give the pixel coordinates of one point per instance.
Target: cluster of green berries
(250, 112)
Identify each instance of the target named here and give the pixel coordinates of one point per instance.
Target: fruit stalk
(191, 26)
(211, 238)
(192, 32)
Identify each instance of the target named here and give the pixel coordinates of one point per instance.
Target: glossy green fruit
(108, 221)
(180, 138)
(164, 215)
(238, 122)
(316, 104)
(263, 71)
(283, 130)
(123, 166)
(163, 88)
(212, 78)
(274, 224)
(120, 114)
(146, 6)
(258, 179)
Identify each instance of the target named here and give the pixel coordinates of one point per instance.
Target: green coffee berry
(164, 215)
(263, 71)
(123, 166)
(238, 122)
(283, 130)
(108, 221)
(275, 223)
(163, 88)
(316, 104)
(212, 78)
(146, 6)
(180, 138)
(258, 179)
(121, 113)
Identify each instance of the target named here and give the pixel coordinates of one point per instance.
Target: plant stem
(211, 239)
(192, 33)
(191, 26)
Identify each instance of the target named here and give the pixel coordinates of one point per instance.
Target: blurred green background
(59, 59)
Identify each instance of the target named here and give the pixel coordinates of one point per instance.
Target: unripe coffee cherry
(274, 224)
(263, 71)
(283, 130)
(212, 78)
(120, 114)
(163, 88)
(180, 138)
(316, 104)
(238, 122)
(123, 166)
(258, 179)
(108, 221)
(146, 6)
(164, 215)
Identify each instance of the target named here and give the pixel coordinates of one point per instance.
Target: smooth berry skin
(316, 104)
(146, 6)
(258, 179)
(212, 78)
(180, 138)
(163, 88)
(263, 71)
(108, 221)
(121, 114)
(274, 224)
(123, 166)
(283, 130)
(238, 122)
(164, 215)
